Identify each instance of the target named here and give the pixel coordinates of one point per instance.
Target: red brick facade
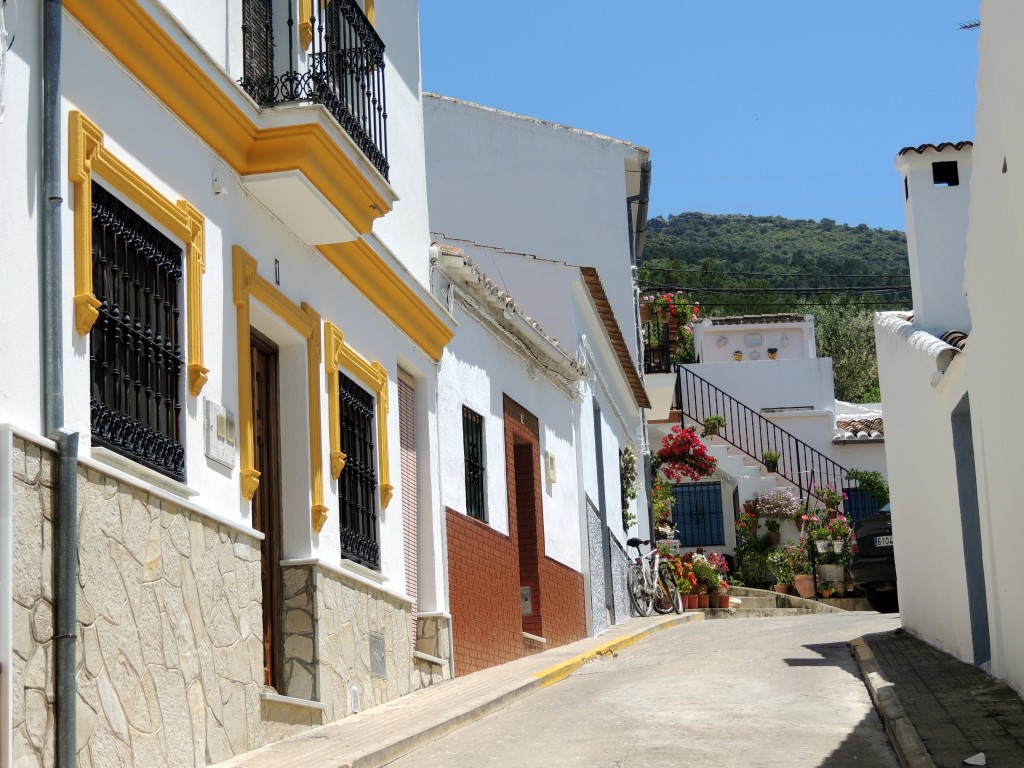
(487, 568)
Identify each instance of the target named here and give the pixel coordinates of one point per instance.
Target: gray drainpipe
(65, 555)
(638, 252)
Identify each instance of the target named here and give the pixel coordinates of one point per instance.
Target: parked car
(873, 562)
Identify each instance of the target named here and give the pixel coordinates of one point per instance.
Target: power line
(642, 268)
(789, 291)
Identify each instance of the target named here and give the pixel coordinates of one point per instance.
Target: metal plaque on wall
(378, 666)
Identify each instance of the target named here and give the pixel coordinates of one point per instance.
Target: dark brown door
(266, 503)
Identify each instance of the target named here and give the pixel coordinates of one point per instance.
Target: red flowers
(684, 455)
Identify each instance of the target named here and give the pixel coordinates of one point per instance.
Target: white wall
(923, 482)
(936, 218)
(476, 371)
(535, 187)
(995, 273)
(717, 343)
(774, 383)
(158, 147)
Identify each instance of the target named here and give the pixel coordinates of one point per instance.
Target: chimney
(936, 195)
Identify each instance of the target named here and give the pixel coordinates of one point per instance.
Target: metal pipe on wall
(65, 560)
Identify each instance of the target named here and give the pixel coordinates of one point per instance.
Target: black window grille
(134, 345)
(697, 514)
(473, 449)
(342, 67)
(357, 485)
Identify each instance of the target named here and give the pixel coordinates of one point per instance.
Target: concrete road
(733, 692)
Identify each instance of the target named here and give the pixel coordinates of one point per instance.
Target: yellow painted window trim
(306, 26)
(338, 354)
(88, 155)
(153, 57)
(248, 284)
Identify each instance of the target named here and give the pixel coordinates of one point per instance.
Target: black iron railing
(341, 67)
(657, 350)
(752, 433)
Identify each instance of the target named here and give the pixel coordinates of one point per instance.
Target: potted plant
(800, 562)
(775, 506)
(712, 424)
(829, 496)
(781, 563)
(873, 483)
(737, 355)
(772, 352)
(771, 460)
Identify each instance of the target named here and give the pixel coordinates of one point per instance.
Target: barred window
(134, 345)
(357, 484)
(473, 449)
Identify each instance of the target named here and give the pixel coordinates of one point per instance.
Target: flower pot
(690, 602)
(772, 465)
(837, 546)
(774, 537)
(830, 573)
(804, 583)
(703, 601)
(645, 313)
(822, 546)
(825, 593)
(737, 355)
(782, 589)
(772, 353)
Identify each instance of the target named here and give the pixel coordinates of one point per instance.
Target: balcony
(333, 57)
(665, 344)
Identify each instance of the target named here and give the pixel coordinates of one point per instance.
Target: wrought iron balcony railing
(657, 349)
(334, 58)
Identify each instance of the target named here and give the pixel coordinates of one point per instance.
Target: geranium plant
(828, 494)
(683, 455)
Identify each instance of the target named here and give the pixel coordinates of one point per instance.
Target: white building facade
(549, 214)
(244, 343)
(947, 366)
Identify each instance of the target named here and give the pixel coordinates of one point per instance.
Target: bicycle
(648, 593)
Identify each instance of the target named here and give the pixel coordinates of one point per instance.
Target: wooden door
(266, 503)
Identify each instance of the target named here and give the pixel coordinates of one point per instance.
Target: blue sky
(793, 108)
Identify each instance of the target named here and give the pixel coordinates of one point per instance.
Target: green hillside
(736, 264)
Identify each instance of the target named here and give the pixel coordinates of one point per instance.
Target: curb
(383, 755)
(565, 668)
(904, 737)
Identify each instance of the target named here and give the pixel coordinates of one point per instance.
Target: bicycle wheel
(639, 597)
(663, 601)
(671, 589)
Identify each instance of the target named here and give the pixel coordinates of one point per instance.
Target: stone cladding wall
(170, 625)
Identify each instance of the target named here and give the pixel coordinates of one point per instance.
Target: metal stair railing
(752, 433)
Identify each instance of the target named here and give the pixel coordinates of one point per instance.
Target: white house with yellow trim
(219, 376)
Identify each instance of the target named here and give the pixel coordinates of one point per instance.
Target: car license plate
(883, 541)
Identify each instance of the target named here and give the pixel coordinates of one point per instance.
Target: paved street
(739, 692)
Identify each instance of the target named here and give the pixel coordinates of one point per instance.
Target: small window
(135, 344)
(906, 189)
(357, 483)
(473, 449)
(945, 173)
